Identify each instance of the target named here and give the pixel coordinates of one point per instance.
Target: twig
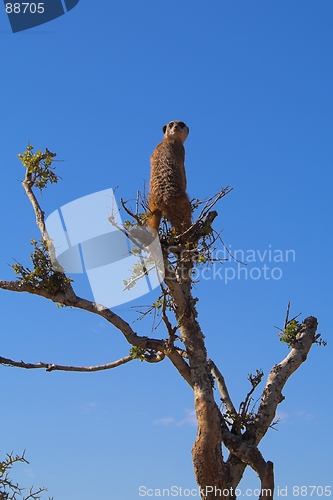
(287, 321)
(228, 251)
(287, 316)
(171, 330)
(135, 216)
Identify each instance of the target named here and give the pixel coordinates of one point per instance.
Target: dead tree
(240, 430)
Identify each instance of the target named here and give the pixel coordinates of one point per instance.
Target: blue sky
(254, 82)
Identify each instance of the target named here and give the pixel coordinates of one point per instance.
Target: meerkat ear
(164, 129)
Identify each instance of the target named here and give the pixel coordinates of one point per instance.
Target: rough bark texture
(209, 468)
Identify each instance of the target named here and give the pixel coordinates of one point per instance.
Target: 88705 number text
(25, 7)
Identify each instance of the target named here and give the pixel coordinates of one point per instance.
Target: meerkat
(167, 195)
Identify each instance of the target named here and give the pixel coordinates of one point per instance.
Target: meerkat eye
(182, 124)
(171, 124)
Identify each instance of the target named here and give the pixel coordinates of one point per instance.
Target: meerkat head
(176, 130)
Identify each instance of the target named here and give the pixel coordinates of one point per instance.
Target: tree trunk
(209, 467)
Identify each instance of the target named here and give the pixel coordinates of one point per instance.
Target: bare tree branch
(279, 375)
(27, 185)
(52, 366)
(93, 307)
(181, 365)
(221, 385)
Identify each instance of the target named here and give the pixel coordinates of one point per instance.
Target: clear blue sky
(254, 82)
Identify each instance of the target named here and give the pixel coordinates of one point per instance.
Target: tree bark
(209, 468)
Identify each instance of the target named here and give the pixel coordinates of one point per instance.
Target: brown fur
(167, 196)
